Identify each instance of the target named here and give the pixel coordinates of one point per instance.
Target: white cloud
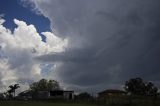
(18, 50)
(53, 42)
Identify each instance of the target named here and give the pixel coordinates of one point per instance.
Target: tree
(11, 91)
(45, 85)
(151, 89)
(53, 85)
(136, 86)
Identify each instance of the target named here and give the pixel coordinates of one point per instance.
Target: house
(62, 94)
(55, 94)
(110, 93)
(25, 95)
(41, 94)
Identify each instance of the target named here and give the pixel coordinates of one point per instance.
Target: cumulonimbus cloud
(109, 41)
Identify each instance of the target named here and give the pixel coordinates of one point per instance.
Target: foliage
(11, 91)
(136, 86)
(45, 85)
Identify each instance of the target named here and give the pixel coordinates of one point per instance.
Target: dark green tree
(11, 91)
(151, 89)
(45, 85)
(136, 86)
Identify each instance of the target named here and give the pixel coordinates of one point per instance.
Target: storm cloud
(109, 41)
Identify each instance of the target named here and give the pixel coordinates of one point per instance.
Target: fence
(129, 101)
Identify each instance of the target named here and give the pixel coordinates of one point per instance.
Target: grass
(31, 103)
(26, 103)
(141, 101)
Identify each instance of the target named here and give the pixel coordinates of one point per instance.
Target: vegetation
(140, 93)
(11, 92)
(137, 86)
(45, 85)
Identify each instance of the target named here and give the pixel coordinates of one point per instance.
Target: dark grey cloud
(110, 41)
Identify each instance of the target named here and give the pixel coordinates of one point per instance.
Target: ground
(47, 103)
(26, 103)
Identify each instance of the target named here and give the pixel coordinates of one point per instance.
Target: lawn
(26, 103)
(40, 103)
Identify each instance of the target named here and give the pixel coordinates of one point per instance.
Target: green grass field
(39, 103)
(26, 103)
(49, 103)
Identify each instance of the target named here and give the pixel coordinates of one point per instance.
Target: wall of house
(104, 96)
(68, 95)
(43, 94)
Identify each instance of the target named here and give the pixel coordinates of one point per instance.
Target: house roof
(112, 91)
(25, 93)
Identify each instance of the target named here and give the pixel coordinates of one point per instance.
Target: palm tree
(12, 89)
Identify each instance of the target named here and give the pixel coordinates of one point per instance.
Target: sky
(86, 45)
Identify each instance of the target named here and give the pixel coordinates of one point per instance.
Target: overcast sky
(90, 45)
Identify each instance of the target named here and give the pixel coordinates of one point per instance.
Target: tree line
(134, 86)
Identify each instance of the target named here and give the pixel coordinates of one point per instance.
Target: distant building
(56, 94)
(62, 94)
(42, 95)
(111, 92)
(25, 95)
